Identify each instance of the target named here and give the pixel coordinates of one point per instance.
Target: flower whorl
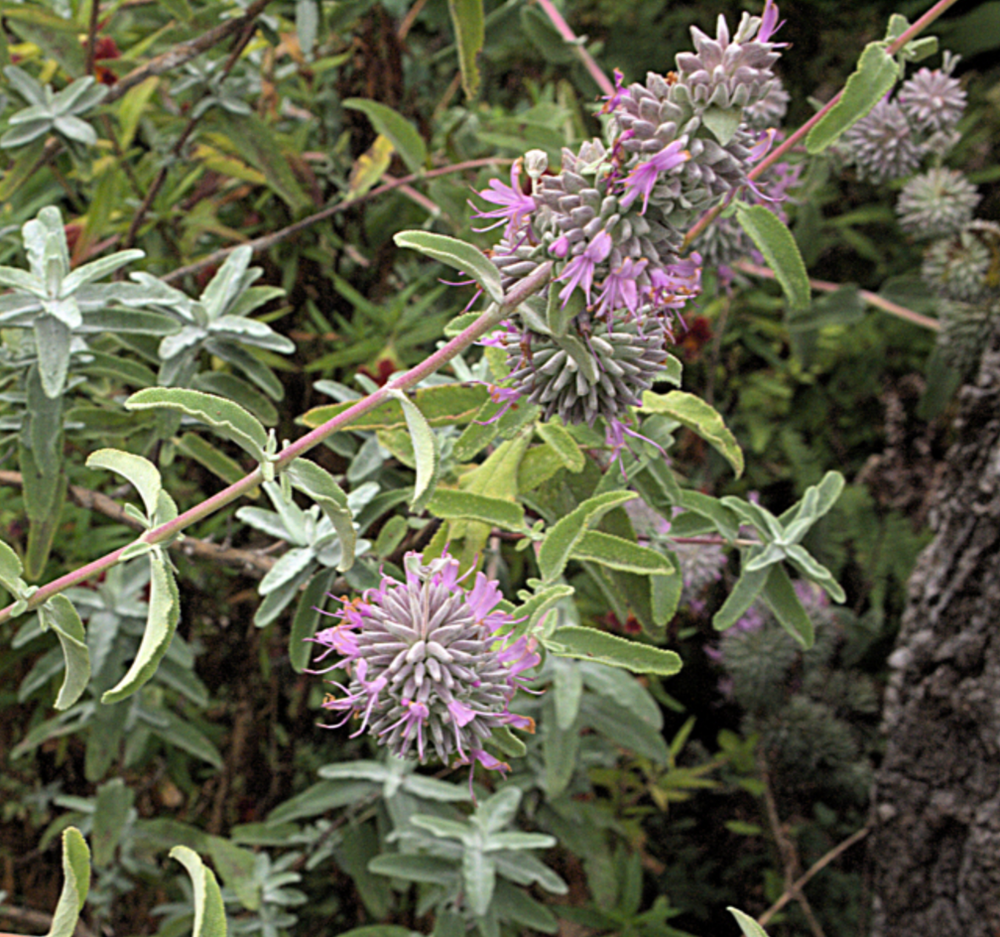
(427, 666)
(614, 217)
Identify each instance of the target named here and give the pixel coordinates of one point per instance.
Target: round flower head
(936, 203)
(881, 145)
(587, 374)
(427, 668)
(964, 267)
(932, 100)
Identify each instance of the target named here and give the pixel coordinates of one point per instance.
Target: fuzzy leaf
(773, 239)
(320, 485)
(76, 883)
(209, 910)
(743, 595)
(62, 617)
(307, 619)
(748, 925)
(164, 613)
(619, 553)
(448, 503)
(143, 475)
(228, 419)
(565, 534)
(781, 598)
(456, 254)
(873, 78)
(425, 451)
(396, 128)
(698, 416)
(594, 645)
(559, 438)
(470, 34)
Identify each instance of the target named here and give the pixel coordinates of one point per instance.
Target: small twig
(873, 299)
(161, 176)
(789, 854)
(255, 561)
(95, 13)
(410, 19)
(37, 919)
(184, 51)
(818, 866)
(269, 240)
(603, 82)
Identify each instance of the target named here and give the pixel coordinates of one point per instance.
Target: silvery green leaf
(41, 112)
(25, 85)
(76, 129)
(276, 602)
(78, 96)
(53, 343)
(292, 516)
(154, 290)
(289, 566)
(126, 320)
(771, 554)
(253, 298)
(144, 476)
(316, 482)
(252, 332)
(10, 571)
(266, 521)
(97, 269)
(18, 310)
(497, 811)
(45, 244)
(76, 883)
(479, 874)
(258, 372)
(67, 311)
(188, 337)
(65, 621)
(21, 280)
(226, 285)
(164, 613)
(806, 564)
(25, 133)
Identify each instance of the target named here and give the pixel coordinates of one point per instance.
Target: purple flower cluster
(613, 220)
(427, 664)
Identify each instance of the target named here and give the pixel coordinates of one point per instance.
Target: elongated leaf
(10, 571)
(537, 605)
(228, 419)
(874, 77)
(773, 239)
(748, 587)
(414, 868)
(52, 338)
(164, 613)
(591, 644)
(425, 451)
(565, 534)
(236, 867)
(559, 438)
(396, 128)
(204, 453)
(449, 503)
(76, 883)
(307, 618)
(114, 800)
(61, 616)
(320, 485)
(209, 910)
(748, 925)
(143, 475)
(456, 254)
(619, 553)
(781, 598)
(444, 405)
(470, 34)
(698, 416)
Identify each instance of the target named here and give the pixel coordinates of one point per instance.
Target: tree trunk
(935, 848)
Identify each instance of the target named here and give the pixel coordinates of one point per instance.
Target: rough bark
(935, 849)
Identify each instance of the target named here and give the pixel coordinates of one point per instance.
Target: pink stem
(483, 324)
(873, 299)
(603, 82)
